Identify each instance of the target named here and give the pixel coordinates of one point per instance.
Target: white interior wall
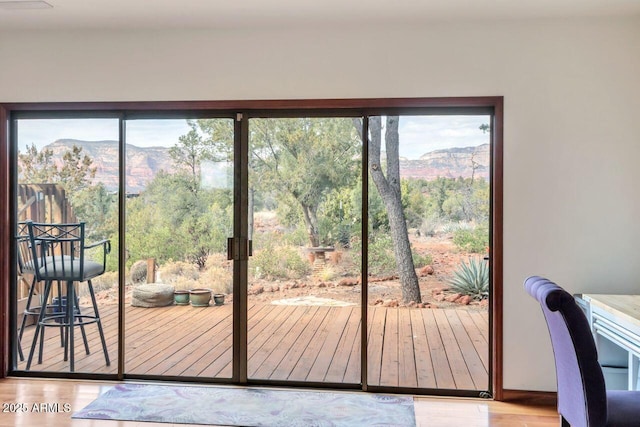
(571, 134)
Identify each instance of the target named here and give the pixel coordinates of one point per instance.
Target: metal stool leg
(39, 327)
(99, 322)
(59, 311)
(71, 322)
(79, 313)
(27, 312)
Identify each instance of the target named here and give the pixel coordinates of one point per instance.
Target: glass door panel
(67, 173)
(304, 292)
(179, 215)
(428, 269)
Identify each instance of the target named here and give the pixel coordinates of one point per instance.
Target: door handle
(232, 249)
(239, 248)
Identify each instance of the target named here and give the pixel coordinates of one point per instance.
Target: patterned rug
(242, 406)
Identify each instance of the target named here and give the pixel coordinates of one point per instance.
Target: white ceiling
(162, 14)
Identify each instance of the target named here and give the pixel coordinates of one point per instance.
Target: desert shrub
(327, 273)
(472, 240)
(174, 272)
(138, 271)
(262, 239)
(296, 237)
(218, 259)
(218, 279)
(471, 278)
(349, 259)
(428, 226)
(104, 282)
(381, 259)
(420, 260)
(279, 262)
(183, 283)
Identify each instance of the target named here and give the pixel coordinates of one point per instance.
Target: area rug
(247, 406)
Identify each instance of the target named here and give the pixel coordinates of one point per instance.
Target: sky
(418, 134)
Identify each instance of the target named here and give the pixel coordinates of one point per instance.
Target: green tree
(39, 167)
(296, 159)
(169, 221)
(74, 171)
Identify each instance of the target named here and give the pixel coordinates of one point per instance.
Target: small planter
(218, 299)
(181, 297)
(200, 297)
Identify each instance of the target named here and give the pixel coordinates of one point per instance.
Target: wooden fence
(41, 203)
(44, 203)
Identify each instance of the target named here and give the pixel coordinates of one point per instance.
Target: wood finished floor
(435, 349)
(430, 411)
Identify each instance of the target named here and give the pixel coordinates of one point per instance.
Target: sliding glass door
(428, 264)
(179, 214)
(68, 172)
(304, 290)
(318, 247)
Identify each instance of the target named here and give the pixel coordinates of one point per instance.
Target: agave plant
(472, 278)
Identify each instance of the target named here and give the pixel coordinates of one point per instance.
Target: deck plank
(389, 372)
(424, 367)
(353, 373)
(327, 354)
(377, 319)
(312, 350)
(454, 355)
(441, 364)
(406, 351)
(295, 340)
(271, 338)
(424, 348)
(476, 336)
(342, 358)
(472, 361)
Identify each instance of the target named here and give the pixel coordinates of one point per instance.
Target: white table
(617, 318)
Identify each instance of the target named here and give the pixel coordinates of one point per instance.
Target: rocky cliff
(143, 163)
(449, 163)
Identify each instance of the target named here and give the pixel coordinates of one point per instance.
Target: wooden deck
(426, 348)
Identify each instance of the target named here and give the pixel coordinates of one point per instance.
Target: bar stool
(58, 253)
(25, 269)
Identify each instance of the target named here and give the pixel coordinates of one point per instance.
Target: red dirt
(345, 286)
(382, 290)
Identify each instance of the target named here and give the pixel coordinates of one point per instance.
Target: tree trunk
(389, 189)
(311, 221)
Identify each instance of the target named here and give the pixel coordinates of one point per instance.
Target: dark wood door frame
(5, 239)
(381, 106)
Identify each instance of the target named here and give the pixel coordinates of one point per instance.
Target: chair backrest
(23, 249)
(57, 250)
(582, 398)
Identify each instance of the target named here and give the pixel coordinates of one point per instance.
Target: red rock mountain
(143, 163)
(449, 163)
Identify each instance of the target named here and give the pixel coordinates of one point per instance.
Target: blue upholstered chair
(583, 400)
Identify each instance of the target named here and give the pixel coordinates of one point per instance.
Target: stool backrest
(23, 249)
(57, 250)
